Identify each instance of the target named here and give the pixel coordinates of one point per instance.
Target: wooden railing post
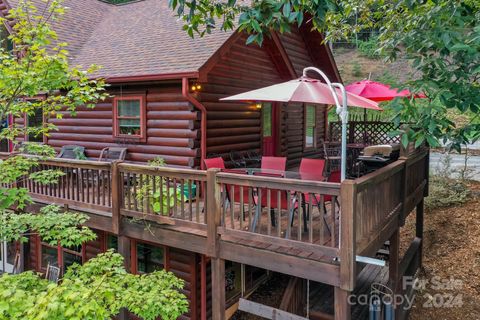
(116, 196)
(213, 212)
(347, 247)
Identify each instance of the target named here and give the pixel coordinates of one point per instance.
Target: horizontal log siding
(231, 125)
(93, 248)
(184, 265)
(293, 133)
(297, 51)
(172, 126)
(292, 128)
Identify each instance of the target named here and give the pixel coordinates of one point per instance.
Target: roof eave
(152, 77)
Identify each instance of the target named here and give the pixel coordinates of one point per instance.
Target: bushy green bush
(357, 69)
(368, 48)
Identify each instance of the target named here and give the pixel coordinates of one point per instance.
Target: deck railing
(163, 195)
(83, 185)
(321, 221)
(286, 212)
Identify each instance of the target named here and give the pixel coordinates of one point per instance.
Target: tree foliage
(35, 76)
(440, 37)
(96, 290)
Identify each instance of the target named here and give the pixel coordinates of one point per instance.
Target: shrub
(368, 48)
(356, 69)
(444, 190)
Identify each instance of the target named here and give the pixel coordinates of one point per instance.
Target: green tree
(35, 75)
(441, 38)
(96, 290)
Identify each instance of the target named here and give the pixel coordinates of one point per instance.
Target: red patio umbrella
(377, 91)
(303, 90)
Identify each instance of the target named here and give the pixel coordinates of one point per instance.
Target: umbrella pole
(341, 111)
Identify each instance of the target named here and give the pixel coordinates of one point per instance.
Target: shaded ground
(451, 251)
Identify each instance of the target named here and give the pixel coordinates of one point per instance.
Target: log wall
(173, 126)
(292, 131)
(231, 125)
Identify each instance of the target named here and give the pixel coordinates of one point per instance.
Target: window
(34, 120)
(69, 256)
(310, 126)
(112, 242)
(267, 119)
(49, 255)
(129, 117)
(149, 258)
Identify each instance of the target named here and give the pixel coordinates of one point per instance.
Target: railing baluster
(242, 208)
(232, 205)
(269, 212)
(334, 238)
(279, 214)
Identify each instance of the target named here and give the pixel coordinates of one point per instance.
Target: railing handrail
(330, 188)
(181, 173)
(62, 162)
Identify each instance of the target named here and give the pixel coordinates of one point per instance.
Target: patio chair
(263, 202)
(112, 153)
(238, 160)
(274, 163)
(332, 152)
(53, 273)
(218, 163)
(72, 152)
(254, 158)
(312, 169)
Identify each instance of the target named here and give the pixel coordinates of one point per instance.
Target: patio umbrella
(302, 90)
(377, 91)
(308, 90)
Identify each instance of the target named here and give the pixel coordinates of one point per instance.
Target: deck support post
(116, 197)
(342, 306)
(213, 212)
(394, 266)
(347, 245)
(419, 230)
(218, 289)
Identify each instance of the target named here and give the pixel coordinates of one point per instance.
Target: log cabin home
(165, 89)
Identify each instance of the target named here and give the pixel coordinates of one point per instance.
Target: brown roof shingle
(143, 38)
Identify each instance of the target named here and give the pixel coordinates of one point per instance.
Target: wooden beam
(213, 212)
(348, 194)
(342, 307)
(283, 263)
(267, 312)
(165, 236)
(218, 289)
(419, 228)
(116, 197)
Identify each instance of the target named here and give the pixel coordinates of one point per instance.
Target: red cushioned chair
(274, 163)
(218, 163)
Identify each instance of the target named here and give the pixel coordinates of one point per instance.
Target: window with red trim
(129, 117)
(60, 256)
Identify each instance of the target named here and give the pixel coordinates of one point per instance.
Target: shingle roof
(137, 39)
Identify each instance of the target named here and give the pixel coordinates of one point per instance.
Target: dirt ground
(451, 263)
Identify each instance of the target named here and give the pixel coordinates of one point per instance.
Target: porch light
(196, 87)
(258, 106)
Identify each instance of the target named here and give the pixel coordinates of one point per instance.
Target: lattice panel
(368, 132)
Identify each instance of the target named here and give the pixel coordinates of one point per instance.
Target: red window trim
(60, 251)
(143, 123)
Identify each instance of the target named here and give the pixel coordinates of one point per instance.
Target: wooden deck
(306, 240)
